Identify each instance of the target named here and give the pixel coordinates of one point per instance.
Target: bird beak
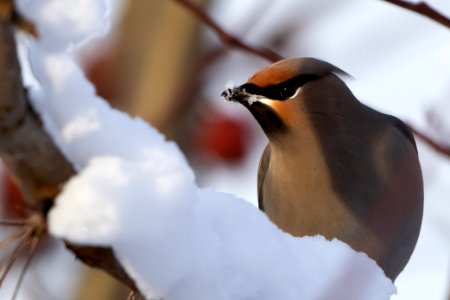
(238, 94)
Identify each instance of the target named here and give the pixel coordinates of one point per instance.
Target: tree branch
(31, 156)
(423, 9)
(25, 148)
(442, 149)
(227, 38)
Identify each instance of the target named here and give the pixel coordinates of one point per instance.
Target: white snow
(136, 193)
(63, 23)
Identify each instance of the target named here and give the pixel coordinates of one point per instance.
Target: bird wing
(262, 170)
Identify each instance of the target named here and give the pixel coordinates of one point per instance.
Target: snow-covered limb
(136, 193)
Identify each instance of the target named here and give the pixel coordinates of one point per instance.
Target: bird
(334, 166)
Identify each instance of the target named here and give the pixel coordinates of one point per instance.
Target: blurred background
(159, 62)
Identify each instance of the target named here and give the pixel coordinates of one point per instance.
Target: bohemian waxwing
(334, 166)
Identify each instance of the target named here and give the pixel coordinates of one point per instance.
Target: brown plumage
(334, 166)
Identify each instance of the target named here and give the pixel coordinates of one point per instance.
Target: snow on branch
(27, 149)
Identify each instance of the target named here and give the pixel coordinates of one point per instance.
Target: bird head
(285, 94)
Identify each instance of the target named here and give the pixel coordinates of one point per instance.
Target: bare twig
(12, 223)
(442, 149)
(12, 259)
(11, 239)
(30, 236)
(226, 37)
(423, 9)
(33, 249)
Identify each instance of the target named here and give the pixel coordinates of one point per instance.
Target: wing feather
(262, 170)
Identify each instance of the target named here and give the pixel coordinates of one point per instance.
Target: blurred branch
(442, 149)
(226, 37)
(423, 9)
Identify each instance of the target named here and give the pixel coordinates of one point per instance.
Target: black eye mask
(281, 91)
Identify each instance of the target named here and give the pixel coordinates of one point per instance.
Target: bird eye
(287, 91)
